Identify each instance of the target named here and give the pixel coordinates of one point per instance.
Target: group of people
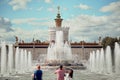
(62, 74)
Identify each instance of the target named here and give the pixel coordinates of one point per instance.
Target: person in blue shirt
(37, 73)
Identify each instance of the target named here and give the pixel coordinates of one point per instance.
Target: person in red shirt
(60, 73)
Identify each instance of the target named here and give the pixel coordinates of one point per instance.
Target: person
(60, 73)
(69, 75)
(37, 73)
(66, 75)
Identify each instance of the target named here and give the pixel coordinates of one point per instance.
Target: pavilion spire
(58, 19)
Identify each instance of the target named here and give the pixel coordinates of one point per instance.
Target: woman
(69, 75)
(60, 73)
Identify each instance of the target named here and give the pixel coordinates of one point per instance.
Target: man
(60, 73)
(37, 73)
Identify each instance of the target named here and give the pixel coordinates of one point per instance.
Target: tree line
(110, 41)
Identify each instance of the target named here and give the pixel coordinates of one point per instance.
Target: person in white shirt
(69, 75)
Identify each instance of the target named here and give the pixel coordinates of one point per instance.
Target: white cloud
(18, 4)
(36, 34)
(48, 1)
(51, 9)
(23, 20)
(39, 9)
(5, 25)
(54, 9)
(5, 28)
(89, 28)
(113, 7)
(34, 21)
(83, 6)
(82, 27)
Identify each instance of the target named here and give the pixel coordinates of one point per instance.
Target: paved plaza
(78, 75)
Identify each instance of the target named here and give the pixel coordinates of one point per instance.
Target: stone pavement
(78, 75)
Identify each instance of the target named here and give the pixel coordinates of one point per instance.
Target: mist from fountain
(10, 59)
(101, 61)
(108, 60)
(20, 63)
(92, 62)
(3, 58)
(25, 60)
(97, 61)
(29, 61)
(59, 51)
(17, 59)
(117, 57)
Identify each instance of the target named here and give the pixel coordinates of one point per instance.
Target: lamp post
(83, 50)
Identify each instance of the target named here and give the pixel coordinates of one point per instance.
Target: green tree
(110, 41)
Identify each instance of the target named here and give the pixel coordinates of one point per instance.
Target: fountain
(108, 60)
(23, 61)
(97, 60)
(92, 62)
(17, 59)
(101, 62)
(10, 58)
(59, 52)
(3, 58)
(20, 63)
(29, 61)
(117, 58)
(26, 60)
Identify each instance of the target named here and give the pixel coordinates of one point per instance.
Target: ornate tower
(58, 27)
(58, 19)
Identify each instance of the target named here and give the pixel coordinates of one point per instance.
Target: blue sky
(87, 19)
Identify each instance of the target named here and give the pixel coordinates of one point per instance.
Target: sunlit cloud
(112, 7)
(91, 27)
(33, 21)
(48, 1)
(83, 6)
(18, 4)
(5, 25)
(51, 9)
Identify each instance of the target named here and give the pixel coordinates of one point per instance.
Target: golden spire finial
(58, 9)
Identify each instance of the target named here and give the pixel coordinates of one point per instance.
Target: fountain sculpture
(59, 52)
